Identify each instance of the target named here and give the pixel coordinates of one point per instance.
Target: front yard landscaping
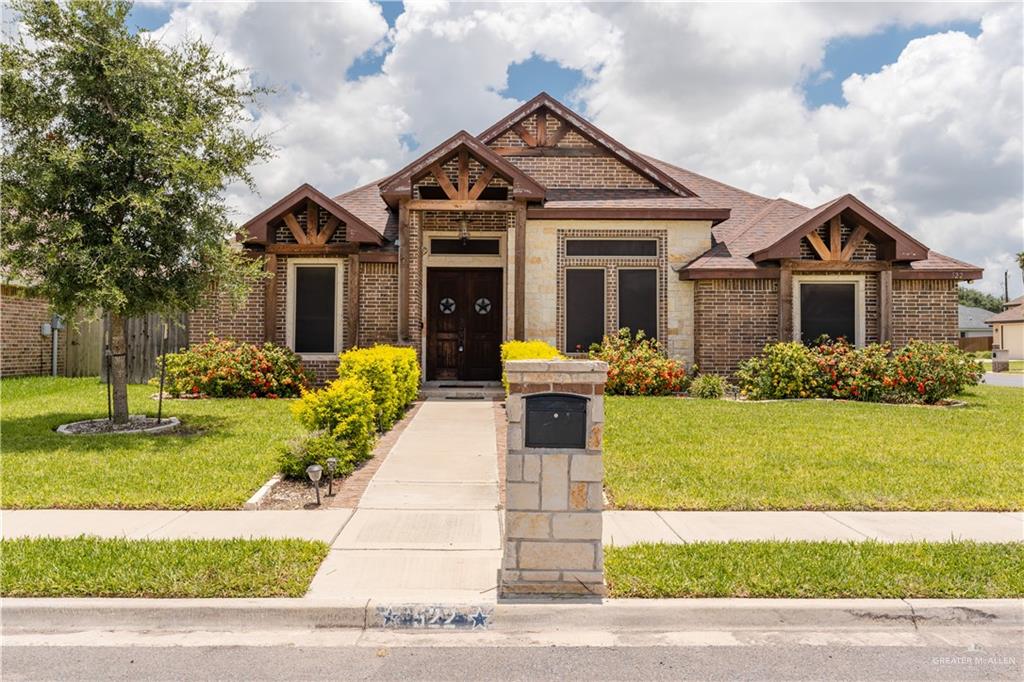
(672, 453)
(224, 452)
(94, 567)
(831, 570)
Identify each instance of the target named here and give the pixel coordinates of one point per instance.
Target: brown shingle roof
(1015, 313)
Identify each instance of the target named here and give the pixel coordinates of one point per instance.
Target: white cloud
(933, 140)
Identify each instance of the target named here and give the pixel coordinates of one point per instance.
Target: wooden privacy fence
(144, 336)
(84, 347)
(975, 343)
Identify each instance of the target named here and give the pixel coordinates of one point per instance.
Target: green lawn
(670, 453)
(817, 570)
(227, 450)
(94, 567)
(1016, 366)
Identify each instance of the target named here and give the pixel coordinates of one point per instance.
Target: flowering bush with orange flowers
(923, 372)
(639, 366)
(221, 368)
(919, 372)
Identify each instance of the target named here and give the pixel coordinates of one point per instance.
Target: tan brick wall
(23, 350)
(924, 309)
(733, 320)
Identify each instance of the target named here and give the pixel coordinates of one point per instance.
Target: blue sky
(843, 56)
(741, 105)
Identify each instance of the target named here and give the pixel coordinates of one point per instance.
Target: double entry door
(464, 324)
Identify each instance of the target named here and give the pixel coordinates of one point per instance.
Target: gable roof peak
(637, 162)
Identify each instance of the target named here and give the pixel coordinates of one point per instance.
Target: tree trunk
(119, 368)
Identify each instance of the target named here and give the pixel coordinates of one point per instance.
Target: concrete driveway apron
(427, 529)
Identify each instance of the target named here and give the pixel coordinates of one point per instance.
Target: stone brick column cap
(561, 366)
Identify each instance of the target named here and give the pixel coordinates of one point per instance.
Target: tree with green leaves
(972, 298)
(116, 154)
(1020, 263)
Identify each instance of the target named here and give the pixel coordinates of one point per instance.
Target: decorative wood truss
(260, 230)
(461, 195)
(313, 234)
(893, 243)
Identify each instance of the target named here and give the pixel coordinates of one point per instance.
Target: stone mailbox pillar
(554, 474)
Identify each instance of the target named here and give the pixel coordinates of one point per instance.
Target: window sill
(318, 356)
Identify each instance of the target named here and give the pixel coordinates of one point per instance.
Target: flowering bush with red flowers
(221, 368)
(639, 366)
(922, 372)
(851, 373)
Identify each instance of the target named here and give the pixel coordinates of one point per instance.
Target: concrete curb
(631, 615)
(254, 502)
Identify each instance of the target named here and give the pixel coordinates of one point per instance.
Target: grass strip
(670, 453)
(936, 570)
(95, 567)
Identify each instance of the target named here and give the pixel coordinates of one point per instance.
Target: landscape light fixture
(332, 465)
(314, 471)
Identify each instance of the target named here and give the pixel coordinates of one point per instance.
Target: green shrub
(782, 370)
(393, 374)
(639, 366)
(708, 386)
(314, 448)
(221, 368)
(929, 372)
(527, 350)
(345, 410)
(849, 373)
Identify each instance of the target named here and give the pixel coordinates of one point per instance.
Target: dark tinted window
(469, 246)
(638, 301)
(611, 247)
(314, 310)
(432, 192)
(827, 309)
(494, 194)
(584, 309)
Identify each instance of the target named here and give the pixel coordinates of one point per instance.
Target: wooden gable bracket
(542, 139)
(835, 251)
(312, 235)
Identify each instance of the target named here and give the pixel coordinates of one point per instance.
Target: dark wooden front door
(464, 323)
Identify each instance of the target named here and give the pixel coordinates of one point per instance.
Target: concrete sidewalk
(631, 527)
(427, 529)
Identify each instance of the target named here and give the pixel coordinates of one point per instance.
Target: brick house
(545, 227)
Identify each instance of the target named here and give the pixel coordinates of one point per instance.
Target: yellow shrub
(527, 350)
(392, 373)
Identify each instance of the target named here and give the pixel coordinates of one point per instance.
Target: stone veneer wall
(554, 498)
(24, 351)
(679, 242)
(733, 320)
(924, 309)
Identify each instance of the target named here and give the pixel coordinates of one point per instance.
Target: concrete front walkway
(427, 529)
(631, 527)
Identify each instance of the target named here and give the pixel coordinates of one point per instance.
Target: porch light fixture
(332, 465)
(463, 228)
(314, 471)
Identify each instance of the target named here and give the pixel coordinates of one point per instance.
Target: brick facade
(219, 317)
(924, 309)
(733, 320)
(24, 351)
(378, 303)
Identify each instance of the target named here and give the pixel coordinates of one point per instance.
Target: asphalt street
(838, 662)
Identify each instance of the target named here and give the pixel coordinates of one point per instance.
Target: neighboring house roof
(750, 233)
(1012, 315)
(972, 318)
(1014, 302)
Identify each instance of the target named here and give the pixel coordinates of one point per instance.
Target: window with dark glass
(314, 309)
(584, 309)
(611, 247)
(828, 309)
(470, 247)
(638, 301)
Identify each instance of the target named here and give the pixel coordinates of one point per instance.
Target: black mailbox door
(556, 421)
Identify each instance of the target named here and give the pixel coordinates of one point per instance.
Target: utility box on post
(554, 478)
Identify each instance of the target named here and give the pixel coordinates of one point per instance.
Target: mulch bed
(347, 491)
(137, 423)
